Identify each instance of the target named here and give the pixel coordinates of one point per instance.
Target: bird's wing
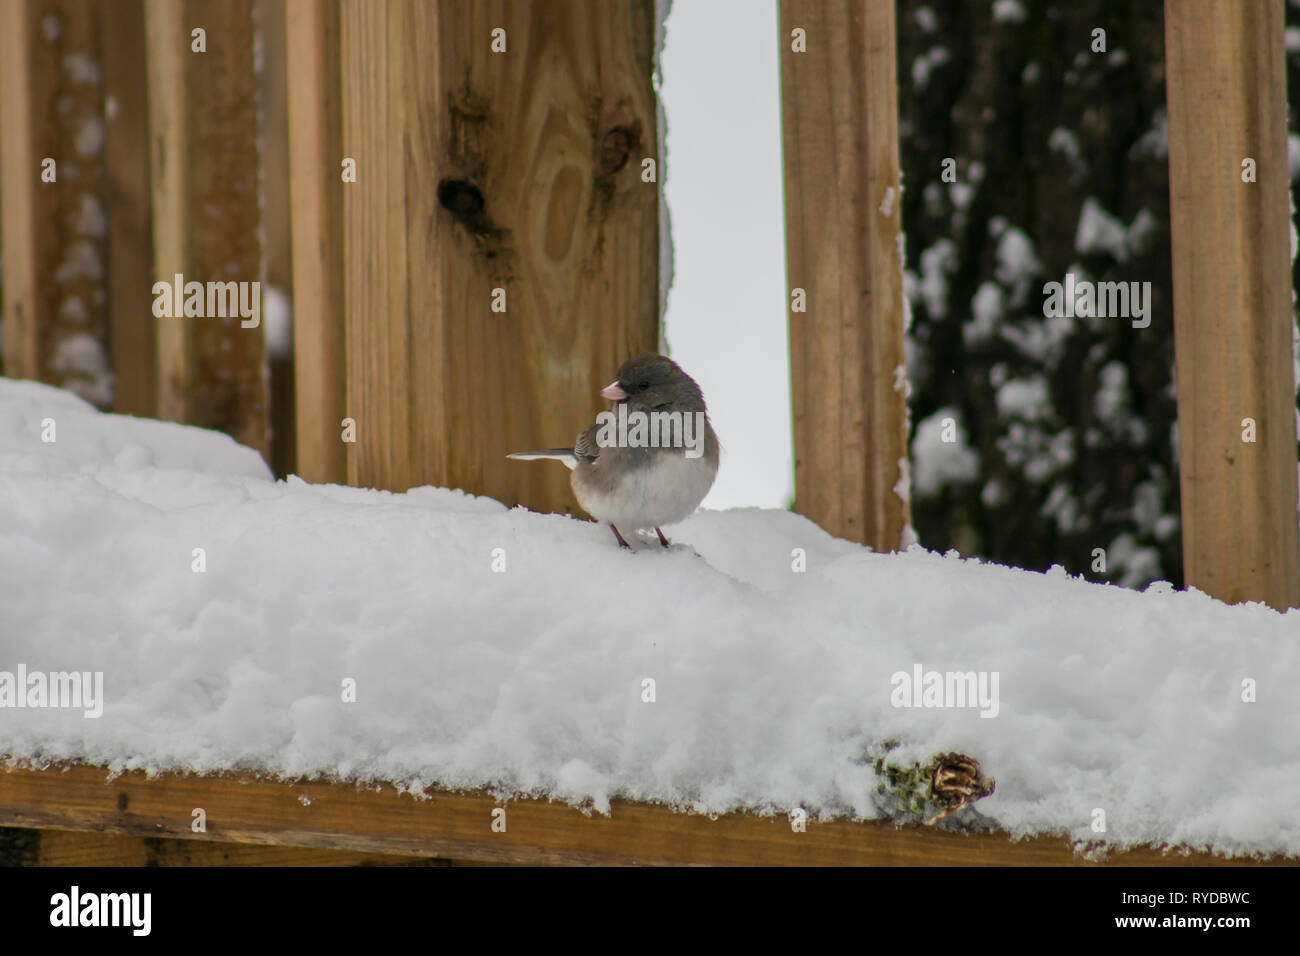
(585, 448)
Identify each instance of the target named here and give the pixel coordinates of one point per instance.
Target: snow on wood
(438, 639)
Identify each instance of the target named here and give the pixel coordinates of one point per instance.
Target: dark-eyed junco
(651, 461)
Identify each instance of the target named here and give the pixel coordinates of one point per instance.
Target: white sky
(726, 319)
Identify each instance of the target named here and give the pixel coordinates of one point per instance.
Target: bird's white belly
(663, 493)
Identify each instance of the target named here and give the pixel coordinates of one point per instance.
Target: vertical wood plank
(312, 59)
(270, 16)
(203, 124)
(55, 233)
(130, 230)
(1232, 299)
(839, 116)
(478, 171)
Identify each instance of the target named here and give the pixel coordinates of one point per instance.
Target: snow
(91, 220)
(81, 69)
(936, 463)
(772, 686)
(1100, 232)
(277, 322)
(937, 263)
(926, 63)
(1008, 11)
(986, 310)
(81, 356)
(89, 141)
(1154, 143)
(1066, 142)
(1023, 398)
(1016, 262)
(887, 203)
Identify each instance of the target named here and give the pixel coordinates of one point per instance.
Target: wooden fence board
(839, 115)
(316, 223)
(1232, 299)
(55, 235)
(130, 228)
(203, 124)
(477, 171)
(243, 809)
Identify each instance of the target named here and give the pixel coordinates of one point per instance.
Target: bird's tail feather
(559, 454)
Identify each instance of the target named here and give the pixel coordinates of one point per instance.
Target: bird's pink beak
(614, 392)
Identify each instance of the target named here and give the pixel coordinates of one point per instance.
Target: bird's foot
(621, 542)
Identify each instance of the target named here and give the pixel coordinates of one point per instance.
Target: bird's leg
(621, 542)
(662, 539)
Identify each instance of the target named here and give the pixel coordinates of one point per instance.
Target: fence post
(204, 163)
(130, 228)
(55, 224)
(1228, 184)
(839, 113)
(316, 224)
(501, 239)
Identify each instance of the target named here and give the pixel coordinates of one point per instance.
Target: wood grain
(316, 224)
(203, 126)
(243, 809)
(20, 847)
(1232, 299)
(537, 151)
(839, 116)
(130, 229)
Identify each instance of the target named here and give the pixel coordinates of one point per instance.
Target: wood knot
(465, 202)
(615, 147)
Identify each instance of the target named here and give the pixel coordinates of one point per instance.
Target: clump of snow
(89, 140)
(1141, 231)
(937, 463)
(87, 440)
(1154, 143)
(927, 63)
(1009, 11)
(986, 312)
(937, 263)
(82, 69)
(81, 358)
(1066, 142)
(277, 321)
(80, 262)
(484, 654)
(91, 219)
(887, 203)
(1025, 399)
(1017, 265)
(1099, 231)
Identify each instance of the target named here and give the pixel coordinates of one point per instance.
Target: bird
(645, 478)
